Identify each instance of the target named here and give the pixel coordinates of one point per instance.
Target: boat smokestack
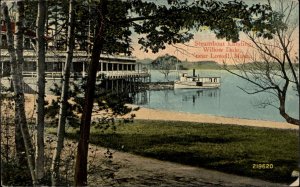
(194, 73)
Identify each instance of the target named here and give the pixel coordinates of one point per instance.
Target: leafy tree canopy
(158, 24)
(166, 62)
(176, 22)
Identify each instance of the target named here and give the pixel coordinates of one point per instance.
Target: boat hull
(191, 85)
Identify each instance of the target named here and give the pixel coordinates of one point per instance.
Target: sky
(206, 47)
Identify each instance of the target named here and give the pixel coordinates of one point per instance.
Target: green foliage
(157, 23)
(113, 103)
(73, 108)
(30, 8)
(57, 22)
(233, 149)
(117, 35)
(175, 23)
(14, 175)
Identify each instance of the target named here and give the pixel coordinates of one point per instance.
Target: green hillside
(170, 61)
(201, 65)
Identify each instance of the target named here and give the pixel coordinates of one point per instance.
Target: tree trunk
(16, 74)
(1, 173)
(20, 118)
(64, 97)
(40, 31)
(82, 150)
(282, 111)
(20, 95)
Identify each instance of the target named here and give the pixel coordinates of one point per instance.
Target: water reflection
(140, 98)
(228, 100)
(197, 95)
(183, 100)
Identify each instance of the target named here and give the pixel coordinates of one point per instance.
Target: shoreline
(158, 114)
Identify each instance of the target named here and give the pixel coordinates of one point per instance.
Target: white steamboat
(196, 82)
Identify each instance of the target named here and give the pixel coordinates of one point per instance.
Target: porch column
(62, 67)
(117, 84)
(83, 69)
(2, 68)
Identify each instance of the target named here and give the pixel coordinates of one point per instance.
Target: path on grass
(141, 171)
(133, 170)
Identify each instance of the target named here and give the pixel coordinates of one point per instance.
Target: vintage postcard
(149, 92)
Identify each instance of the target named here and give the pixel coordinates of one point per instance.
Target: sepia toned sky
(205, 46)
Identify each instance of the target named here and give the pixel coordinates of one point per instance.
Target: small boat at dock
(196, 82)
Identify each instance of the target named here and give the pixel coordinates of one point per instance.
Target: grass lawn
(268, 154)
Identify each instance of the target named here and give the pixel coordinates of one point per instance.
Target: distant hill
(201, 65)
(210, 64)
(172, 60)
(260, 66)
(145, 60)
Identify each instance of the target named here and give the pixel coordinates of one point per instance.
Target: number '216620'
(262, 166)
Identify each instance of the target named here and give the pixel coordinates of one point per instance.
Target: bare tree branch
(273, 72)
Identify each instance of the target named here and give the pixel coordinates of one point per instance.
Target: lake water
(228, 100)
